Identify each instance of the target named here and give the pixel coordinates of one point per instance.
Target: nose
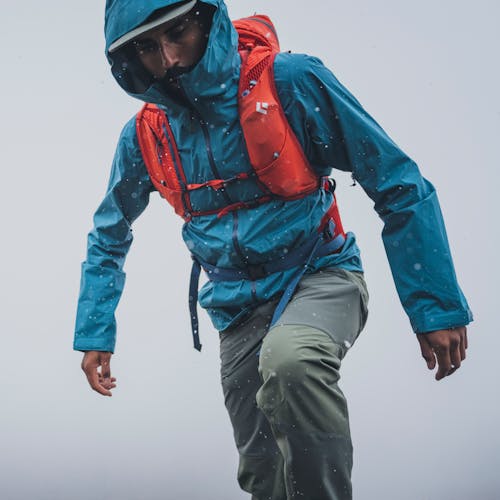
(169, 55)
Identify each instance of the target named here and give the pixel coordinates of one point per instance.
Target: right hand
(100, 380)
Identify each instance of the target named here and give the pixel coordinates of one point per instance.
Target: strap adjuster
(329, 230)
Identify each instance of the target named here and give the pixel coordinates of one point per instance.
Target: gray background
(428, 72)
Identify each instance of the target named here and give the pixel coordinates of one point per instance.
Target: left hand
(97, 368)
(446, 346)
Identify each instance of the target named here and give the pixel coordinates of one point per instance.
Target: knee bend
(291, 355)
(280, 362)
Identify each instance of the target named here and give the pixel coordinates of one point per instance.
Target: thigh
(307, 410)
(332, 300)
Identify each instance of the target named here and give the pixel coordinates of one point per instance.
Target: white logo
(262, 107)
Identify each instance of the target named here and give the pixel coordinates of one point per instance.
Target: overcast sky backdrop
(429, 73)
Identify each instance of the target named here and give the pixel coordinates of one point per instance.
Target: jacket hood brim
(207, 78)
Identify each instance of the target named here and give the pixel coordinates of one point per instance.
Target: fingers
(95, 383)
(105, 375)
(460, 347)
(444, 362)
(456, 355)
(448, 347)
(427, 352)
(107, 383)
(100, 381)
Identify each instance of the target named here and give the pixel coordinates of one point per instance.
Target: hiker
(240, 139)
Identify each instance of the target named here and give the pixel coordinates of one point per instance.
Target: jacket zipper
(206, 136)
(215, 171)
(236, 243)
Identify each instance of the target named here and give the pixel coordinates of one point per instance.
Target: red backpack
(276, 156)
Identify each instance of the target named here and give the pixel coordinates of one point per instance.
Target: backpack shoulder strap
(273, 149)
(161, 156)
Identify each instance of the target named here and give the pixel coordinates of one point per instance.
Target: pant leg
(306, 451)
(260, 470)
(300, 396)
(307, 412)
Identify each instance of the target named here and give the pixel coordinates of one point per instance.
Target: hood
(208, 79)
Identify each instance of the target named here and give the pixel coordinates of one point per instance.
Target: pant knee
(299, 367)
(291, 353)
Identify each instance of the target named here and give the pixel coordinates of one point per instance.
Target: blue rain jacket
(334, 131)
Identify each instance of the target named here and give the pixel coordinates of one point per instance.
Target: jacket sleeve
(102, 277)
(336, 131)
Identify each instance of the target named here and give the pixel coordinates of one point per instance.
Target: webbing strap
(290, 289)
(319, 248)
(253, 272)
(193, 301)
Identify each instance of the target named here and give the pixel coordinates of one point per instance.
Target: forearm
(417, 248)
(103, 278)
(100, 292)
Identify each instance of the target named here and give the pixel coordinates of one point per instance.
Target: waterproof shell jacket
(278, 164)
(333, 131)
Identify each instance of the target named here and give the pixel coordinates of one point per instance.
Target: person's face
(174, 45)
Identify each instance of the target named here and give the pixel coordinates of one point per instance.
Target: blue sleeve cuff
(444, 321)
(93, 345)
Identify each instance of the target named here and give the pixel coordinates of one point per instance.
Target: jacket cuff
(443, 321)
(94, 344)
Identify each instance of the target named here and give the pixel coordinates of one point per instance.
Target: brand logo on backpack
(262, 107)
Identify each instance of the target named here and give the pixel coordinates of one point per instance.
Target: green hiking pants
(281, 390)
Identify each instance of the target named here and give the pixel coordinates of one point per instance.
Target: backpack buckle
(329, 230)
(329, 184)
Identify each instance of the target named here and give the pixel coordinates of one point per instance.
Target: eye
(176, 32)
(145, 46)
